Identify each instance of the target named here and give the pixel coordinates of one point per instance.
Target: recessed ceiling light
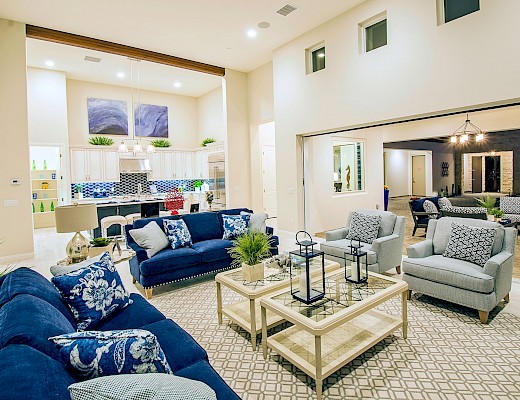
(177, 84)
(120, 75)
(264, 25)
(251, 33)
(49, 63)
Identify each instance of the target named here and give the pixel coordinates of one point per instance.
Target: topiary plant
(101, 141)
(160, 143)
(207, 141)
(100, 242)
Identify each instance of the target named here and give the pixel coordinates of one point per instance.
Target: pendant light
(465, 131)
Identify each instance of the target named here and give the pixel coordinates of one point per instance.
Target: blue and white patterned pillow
(235, 225)
(93, 293)
(92, 354)
(177, 232)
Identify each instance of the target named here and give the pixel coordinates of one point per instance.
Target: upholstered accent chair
(420, 215)
(511, 208)
(427, 270)
(384, 253)
(449, 210)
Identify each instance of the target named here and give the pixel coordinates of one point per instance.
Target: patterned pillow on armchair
(444, 202)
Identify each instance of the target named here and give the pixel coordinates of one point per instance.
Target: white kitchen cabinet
(178, 161)
(92, 165)
(156, 164)
(78, 165)
(95, 165)
(201, 164)
(110, 165)
(188, 165)
(168, 163)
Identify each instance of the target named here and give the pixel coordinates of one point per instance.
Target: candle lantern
(354, 255)
(302, 287)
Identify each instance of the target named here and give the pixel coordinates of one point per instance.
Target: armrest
(336, 234)
(379, 242)
(421, 249)
(140, 253)
(492, 265)
(424, 213)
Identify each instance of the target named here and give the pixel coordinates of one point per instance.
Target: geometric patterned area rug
(448, 355)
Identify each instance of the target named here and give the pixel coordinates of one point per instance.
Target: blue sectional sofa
(208, 253)
(32, 310)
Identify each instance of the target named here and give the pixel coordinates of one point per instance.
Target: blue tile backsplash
(128, 185)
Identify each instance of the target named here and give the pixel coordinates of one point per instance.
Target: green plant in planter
(79, 188)
(197, 184)
(101, 141)
(250, 248)
(496, 212)
(207, 141)
(487, 202)
(100, 242)
(160, 143)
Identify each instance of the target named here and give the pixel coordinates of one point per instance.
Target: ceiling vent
(286, 10)
(92, 59)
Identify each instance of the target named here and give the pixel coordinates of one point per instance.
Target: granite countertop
(125, 200)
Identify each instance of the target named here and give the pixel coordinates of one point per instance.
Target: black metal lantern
(303, 289)
(356, 268)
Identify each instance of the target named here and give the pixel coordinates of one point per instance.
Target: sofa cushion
(29, 374)
(465, 210)
(387, 220)
(256, 221)
(152, 386)
(337, 248)
(510, 205)
(213, 250)
(443, 231)
(470, 243)
(93, 353)
(151, 238)
(204, 372)
(203, 226)
(169, 259)
(179, 347)
(140, 223)
(178, 233)
(27, 281)
(364, 227)
(452, 272)
(137, 314)
(30, 320)
(234, 225)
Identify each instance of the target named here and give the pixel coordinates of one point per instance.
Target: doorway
(418, 175)
(269, 180)
(492, 173)
(476, 174)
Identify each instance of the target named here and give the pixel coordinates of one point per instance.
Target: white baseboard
(16, 257)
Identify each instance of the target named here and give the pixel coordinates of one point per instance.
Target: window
(454, 9)
(315, 56)
(349, 166)
(375, 35)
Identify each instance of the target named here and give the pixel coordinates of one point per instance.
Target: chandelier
(465, 131)
(123, 147)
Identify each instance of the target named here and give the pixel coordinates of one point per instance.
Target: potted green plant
(99, 246)
(488, 203)
(101, 141)
(197, 185)
(207, 141)
(497, 214)
(79, 191)
(248, 251)
(160, 143)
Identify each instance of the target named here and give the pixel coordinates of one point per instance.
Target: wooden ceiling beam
(50, 35)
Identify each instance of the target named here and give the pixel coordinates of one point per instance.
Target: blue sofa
(208, 253)
(32, 310)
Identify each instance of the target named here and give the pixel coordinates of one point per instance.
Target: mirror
(349, 166)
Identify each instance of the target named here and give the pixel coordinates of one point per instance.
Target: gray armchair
(384, 253)
(427, 271)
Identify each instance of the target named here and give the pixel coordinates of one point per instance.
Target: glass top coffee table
(331, 332)
(246, 313)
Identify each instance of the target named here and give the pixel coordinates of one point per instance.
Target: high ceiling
(209, 31)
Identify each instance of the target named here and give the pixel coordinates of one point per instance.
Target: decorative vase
(44, 164)
(78, 196)
(42, 208)
(387, 192)
(491, 217)
(34, 165)
(253, 273)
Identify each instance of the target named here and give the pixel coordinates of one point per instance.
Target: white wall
(425, 68)
(325, 209)
(261, 97)
(238, 162)
(211, 115)
(182, 112)
(399, 171)
(16, 227)
(261, 135)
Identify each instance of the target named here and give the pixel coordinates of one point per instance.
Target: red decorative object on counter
(174, 201)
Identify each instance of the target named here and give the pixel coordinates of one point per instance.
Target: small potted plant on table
(99, 246)
(248, 251)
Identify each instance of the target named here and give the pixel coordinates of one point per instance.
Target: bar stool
(131, 218)
(107, 222)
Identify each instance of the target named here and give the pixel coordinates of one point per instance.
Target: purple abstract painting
(108, 117)
(151, 121)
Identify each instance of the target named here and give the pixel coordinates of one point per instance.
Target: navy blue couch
(208, 253)
(32, 310)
